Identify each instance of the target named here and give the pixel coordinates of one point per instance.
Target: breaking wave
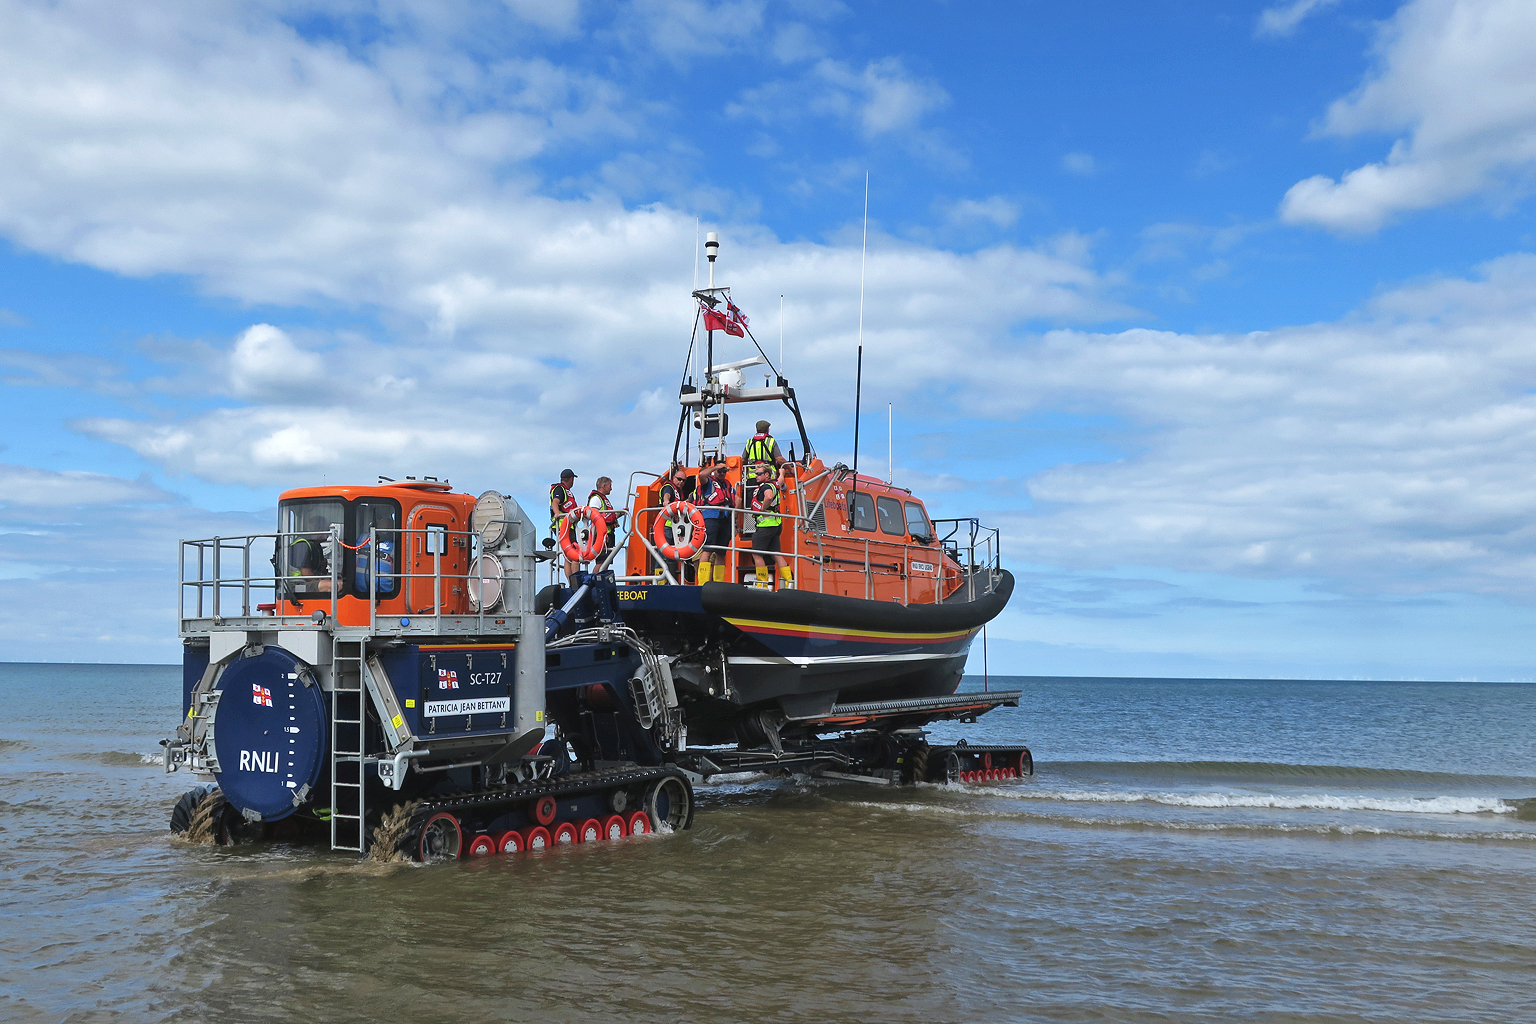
(1262, 770)
(1275, 801)
(122, 758)
(1254, 828)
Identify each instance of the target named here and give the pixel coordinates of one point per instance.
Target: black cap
(567, 473)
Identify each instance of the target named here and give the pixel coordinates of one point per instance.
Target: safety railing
(218, 589)
(807, 546)
(977, 549)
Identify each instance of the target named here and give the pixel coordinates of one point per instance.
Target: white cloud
(997, 210)
(500, 408)
(1455, 76)
(1081, 164)
(882, 98)
(1282, 19)
(33, 488)
(265, 363)
(1391, 451)
(679, 29)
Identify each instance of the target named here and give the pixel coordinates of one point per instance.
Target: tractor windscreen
(305, 548)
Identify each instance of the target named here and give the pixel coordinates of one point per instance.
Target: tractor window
(382, 516)
(917, 522)
(890, 516)
(305, 548)
(861, 510)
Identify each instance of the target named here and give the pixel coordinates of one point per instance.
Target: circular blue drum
(269, 731)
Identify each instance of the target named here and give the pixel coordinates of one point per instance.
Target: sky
(1224, 312)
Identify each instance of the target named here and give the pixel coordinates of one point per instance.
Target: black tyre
(917, 763)
(669, 801)
(186, 806)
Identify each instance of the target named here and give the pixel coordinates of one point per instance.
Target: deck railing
(976, 549)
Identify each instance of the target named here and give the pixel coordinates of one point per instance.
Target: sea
(1188, 850)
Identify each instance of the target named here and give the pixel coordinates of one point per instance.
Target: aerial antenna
(781, 334)
(890, 442)
(858, 377)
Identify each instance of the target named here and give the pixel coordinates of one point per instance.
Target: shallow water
(1188, 851)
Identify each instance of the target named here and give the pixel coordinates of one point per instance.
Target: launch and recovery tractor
(384, 673)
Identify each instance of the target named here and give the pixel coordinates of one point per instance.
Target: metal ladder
(348, 814)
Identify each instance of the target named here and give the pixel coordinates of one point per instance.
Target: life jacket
(757, 457)
(767, 506)
(561, 501)
(671, 491)
(609, 515)
(716, 494)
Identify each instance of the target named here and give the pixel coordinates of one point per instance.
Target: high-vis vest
(768, 505)
(757, 456)
(561, 501)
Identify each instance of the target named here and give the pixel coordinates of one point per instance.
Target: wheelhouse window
(889, 511)
(917, 522)
(861, 510)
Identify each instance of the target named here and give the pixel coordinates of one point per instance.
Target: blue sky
(1223, 311)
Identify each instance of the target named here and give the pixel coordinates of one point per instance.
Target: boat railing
(810, 549)
(218, 587)
(977, 549)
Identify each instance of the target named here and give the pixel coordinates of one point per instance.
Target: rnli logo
(258, 761)
(261, 695)
(447, 679)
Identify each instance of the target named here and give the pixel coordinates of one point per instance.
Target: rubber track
(564, 785)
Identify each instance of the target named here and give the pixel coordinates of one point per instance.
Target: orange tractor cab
(401, 547)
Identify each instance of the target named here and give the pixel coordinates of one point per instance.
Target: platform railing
(212, 593)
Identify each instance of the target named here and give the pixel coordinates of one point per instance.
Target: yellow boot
(706, 572)
(786, 578)
(764, 581)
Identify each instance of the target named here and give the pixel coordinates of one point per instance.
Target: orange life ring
(677, 514)
(595, 539)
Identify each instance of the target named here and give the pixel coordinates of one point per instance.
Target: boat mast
(711, 250)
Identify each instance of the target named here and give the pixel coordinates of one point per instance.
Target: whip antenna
(858, 377)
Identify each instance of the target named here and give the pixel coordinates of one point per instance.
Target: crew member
(598, 499)
(760, 457)
(765, 539)
(561, 501)
(716, 499)
(309, 555)
(677, 485)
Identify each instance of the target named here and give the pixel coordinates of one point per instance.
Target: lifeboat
(884, 601)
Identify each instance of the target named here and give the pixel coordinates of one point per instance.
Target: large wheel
(441, 838)
(207, 822)
(669, 801)
(917, 763)
(181, 813)
(948, 768)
